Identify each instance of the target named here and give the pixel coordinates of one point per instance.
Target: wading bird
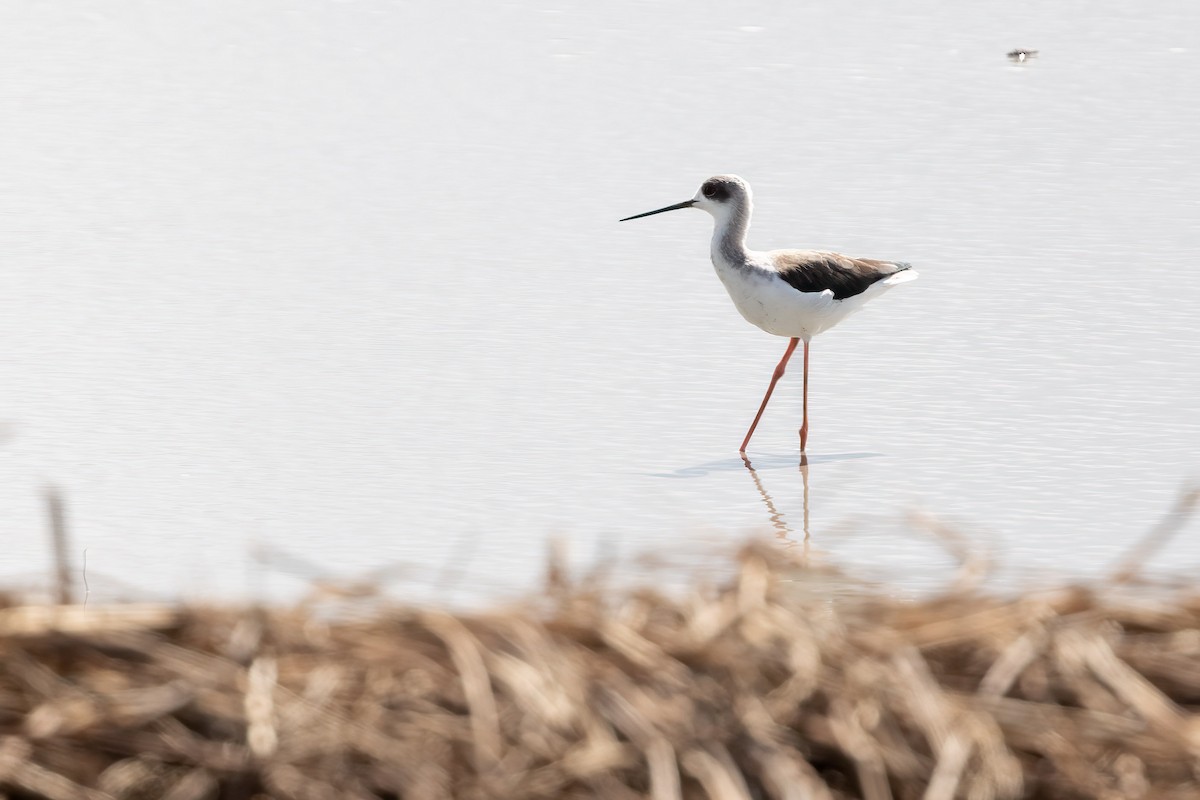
(792, 293)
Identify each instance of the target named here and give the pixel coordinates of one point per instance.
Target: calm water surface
(344, 281)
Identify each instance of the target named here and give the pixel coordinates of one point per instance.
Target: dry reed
(768, 687)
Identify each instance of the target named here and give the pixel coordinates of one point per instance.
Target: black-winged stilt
(792, 293)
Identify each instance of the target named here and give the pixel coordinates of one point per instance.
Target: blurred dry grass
(770, 686)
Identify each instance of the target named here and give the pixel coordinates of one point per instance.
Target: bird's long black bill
(677, 206)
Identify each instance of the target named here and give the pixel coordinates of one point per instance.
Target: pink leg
(774, 379)
(804, 424)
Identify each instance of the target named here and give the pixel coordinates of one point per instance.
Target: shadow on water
(783, 531)
(760, 463)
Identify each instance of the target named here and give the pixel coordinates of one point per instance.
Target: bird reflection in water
(784, 531)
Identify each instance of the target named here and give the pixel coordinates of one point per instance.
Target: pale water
(344, 281)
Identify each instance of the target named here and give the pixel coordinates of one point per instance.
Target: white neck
(729, 235)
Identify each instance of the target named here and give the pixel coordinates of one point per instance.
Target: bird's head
(723, 196)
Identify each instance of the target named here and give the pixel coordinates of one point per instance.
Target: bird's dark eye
(709, 189)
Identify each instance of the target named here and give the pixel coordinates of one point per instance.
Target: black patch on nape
(715, 190)
(820, 274)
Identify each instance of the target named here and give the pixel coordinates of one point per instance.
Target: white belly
(767, 301)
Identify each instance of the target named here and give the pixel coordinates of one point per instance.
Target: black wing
(815, 271)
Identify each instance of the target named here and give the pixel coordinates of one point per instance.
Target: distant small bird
(792, 293)
(1021, 56)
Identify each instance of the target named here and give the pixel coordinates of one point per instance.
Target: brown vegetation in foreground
(765, 688)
